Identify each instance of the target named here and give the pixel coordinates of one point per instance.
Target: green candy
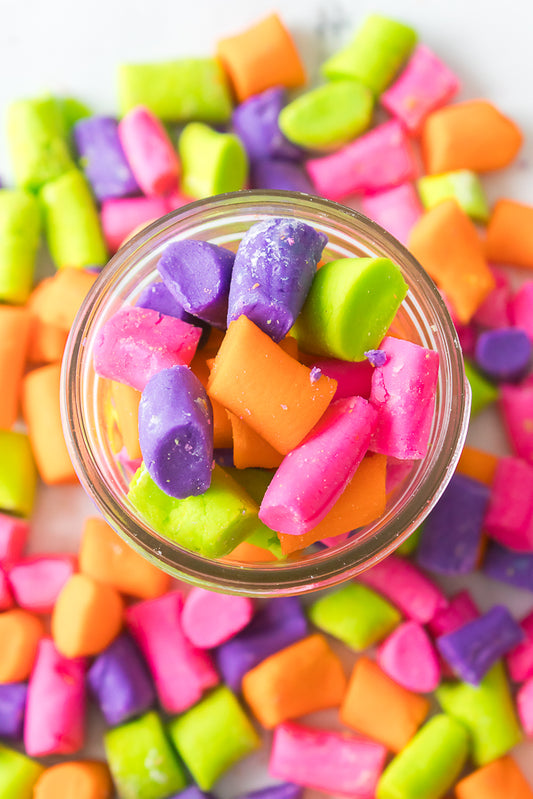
(410, 545)
(379, 49)
(142, 761)
(71, 222)
(72, 111)
(212, 523)
(18, 476)
(350, 307)
(356, 615)
(20, 228)
(211, 162)
(483, 391)
(463, 186)
(18, 774)
(213, 735)
(328, 117)
(177, 91)
(487, 711)
(255, 482)
(430, 763)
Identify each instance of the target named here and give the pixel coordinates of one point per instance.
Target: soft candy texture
(520, 659)
(255, 121)
(13, 536)
(18, 476)
(158, 298)
(121, 217)
(209, 619)
(149, 151)
(505, 354)
(273, 272)
(353, 378)
(20, 633)
(12, 708)
(102, 158)
(211, 162)
(408, 656)
(397, 209)
(20, 226)
(509, 234)
(37, 581)
(18, 774)
(516, 404)
(509, 514)
(500, 778)
(87, 779)
(462, 185)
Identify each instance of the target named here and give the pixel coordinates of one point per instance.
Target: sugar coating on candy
(12, 708)
(513, 568)
(276, 174)
(396, 209)
(18, 774)
(520, 658)
(255, 121)
(408, 656)
(461, 609)
(273, 272)
(102, 158)
(121, 217)
(509, 514)
(36, 582)
(505, 354)
(20, 226)
(209, 619)
(211, 162)
(150, 153)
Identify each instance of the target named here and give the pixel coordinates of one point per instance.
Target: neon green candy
(18, 774)
(328, 117)
(177, 91)
(142, 761)
(429, 764)
(71, 222)
(18, 476)
(72, 111)
(213, 523)
(356, 615)
(20, 227)
(213, 735)
(483, 391)
(487, 711)
(350, 306)
(379, 49)
(462, 185)
(211, 162)
(410, 544)
(255, 482)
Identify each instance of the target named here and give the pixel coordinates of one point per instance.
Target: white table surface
(60, 46)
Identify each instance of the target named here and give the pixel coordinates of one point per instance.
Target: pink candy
(460, 611)
(149, 151)
(521, 308)
(36, 582)
(120, 218)
(6, 600)
(409, 658)
(520, 659)
(495, 311)
(13, 536)
(509, 517)
(516, 403)
(353, 377)
(209, 619)
(397, 210)
(524, 702)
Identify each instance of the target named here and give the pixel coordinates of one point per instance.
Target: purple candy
(276, 625)
(513, 568)
(198, 275)
(256, 123)
(475, 647)
(376, 357)
(12, 707)
(176, 432)
(274, 268)
(276, 174)
(192, 792)
(120, 681)
(284, 791)
(103, 159)
(224, 457)
(451, 536)
(158, 298)
(504, 354)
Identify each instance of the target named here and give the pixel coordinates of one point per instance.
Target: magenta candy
(524, 702)
(13, 536)
(102, 158)
(495, 310)
(520, 659)
(397, 471)
(121, 217)
(255, 121)
(36, 582)
(504, 354)
(397, 210)
(151, 156)
(209, 619)
(6, 600)
(409, 658)
(12, 708)
(521, 308)
(516, 404)
(354, 378)
(460, 611)
(509, 517)
(276, 174)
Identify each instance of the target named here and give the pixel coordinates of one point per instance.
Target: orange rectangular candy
(14, 337)
(478, 465)
(249, 449)
(501, 779)
(510, 234)
(126, 402)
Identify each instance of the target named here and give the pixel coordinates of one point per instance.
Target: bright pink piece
(409, 658)
(516, 404)
(177, 200)
(209, 619)
(377, 160)
(403, 392)
(460, 611)
(495, 310)
(520, 659)
(524, 704)
(333, 762)
(55, 710)
(314, 474)
(13, 536)
(37, 581)
(6, 600)
(397, 210)
(397, 471)
(120, 218)
(181, 673)
(130, 466)
(353, 378)
(521, 308)
(424, 85)
(151, 156)
(509, 517)
(406, 587)
(136, 343)
(335, 539)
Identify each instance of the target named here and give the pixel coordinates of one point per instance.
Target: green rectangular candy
(20, 228)
(483, 391)
(463, 185)
(18, 774)
(255, 482)
(18, 475)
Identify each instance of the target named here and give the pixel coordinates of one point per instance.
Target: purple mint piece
(376, 357)
(504, 354)
(284, 791)
(120, 681)
(451, 537)
(12, 708)
(513, 568)
(276, 174)
(276, 625)
(256, 124)
(103, 159)
(315, 374)
(224, 457)
(157, 297)
(192, 792)
(198, 275)
(475, 647)
(273, 271)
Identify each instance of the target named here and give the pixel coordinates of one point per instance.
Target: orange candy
(59, 297)
(249, 553)
(249, 449)
(478, 464)
(510, 234)
(126, 403)
(501, 779)
(222, 435)
(20, 633)
(15, 325)
(89, 779)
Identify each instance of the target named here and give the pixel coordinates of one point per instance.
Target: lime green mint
(18, 475)
(211, 162)
(20, 228)
(255, 482)
(463, 186)
(483, 391)
(18, 774)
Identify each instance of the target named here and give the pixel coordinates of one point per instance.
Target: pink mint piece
(516, 404)
(524, 703)
(521, 308)
(137, 343)
(495, 310)
(13, 536)
(37, 581)
(406, 587)
(409, 658)
(314, 474)
(403, 392)
(151, 156)
(397, 210)
(333, 762)
(461, 609)
(6, 600)
(120, 218)
(423, 86)
(509, 517)
(180, 671)
(520, 659)
(209, 619)
(353, 378)
(378, 160)
(55, 709)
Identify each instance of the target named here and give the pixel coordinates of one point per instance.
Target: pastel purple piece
(516, 405)
(223, 457)
(504, 354)
(451, 537)
(274, 268)
(120, 682)
(509, 517)
(512, 568)
(520, 659)
(158, 298)
(255, 121)
(521, 308)
(192, 792)
(102, 158)
(495, 310)
(376, 357)
(36, 582)
(12, 708)
(275, 174)
(460, 611)
(13, 536)
(473, 649)
(176, 432)
(276, 625)
(354, 378)
(397, 210)
(284, 791)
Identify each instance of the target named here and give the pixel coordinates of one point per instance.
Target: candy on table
(496, 310)
(102, 158)
(300, 679)
(507, 566)
(249, 449)
(408, 657)
(500, 778)
(18, 774)
(509, 237)
(447, 244)
(520, 659)
(486, 711)
(483, 391)
(508, 519)
(37, 581)
(462, 185)
(18, 476)
(212, 162)
(277, 174)
(59, 298)
(15, 327)
(524, 703)
(504, 355)
(336, 763)
(149, 151)
(429, 764)
(121, 217)
(212, 736)
(12, 709)
(88, 779)
(125, 400)
(356, 615)
(255, 121)
(397, 209)
(142, 761)
(425, 84)
(377, 160)
(209, 619)
(461, 609)
(20, 228)
(354, 378)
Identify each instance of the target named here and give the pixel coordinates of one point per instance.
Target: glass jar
(86, 406)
